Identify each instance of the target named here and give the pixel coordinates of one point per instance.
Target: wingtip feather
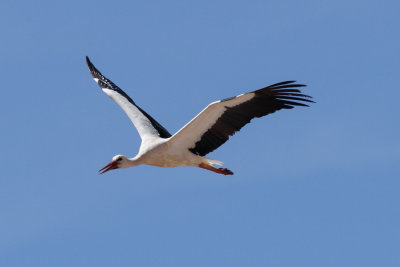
(88, 61)
(96, 74)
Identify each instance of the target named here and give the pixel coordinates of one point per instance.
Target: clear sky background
(314, 186)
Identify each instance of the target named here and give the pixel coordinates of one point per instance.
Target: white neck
(135, 161)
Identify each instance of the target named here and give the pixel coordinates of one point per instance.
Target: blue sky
(313, 186)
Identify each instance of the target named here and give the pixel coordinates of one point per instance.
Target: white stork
(203, 134)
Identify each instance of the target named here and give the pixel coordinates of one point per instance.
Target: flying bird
(204, 133)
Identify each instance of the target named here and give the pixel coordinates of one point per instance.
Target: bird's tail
(214, 162)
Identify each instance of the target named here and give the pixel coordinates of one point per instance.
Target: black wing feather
(266, 100)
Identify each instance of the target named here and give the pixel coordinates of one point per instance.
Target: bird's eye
(119, 159)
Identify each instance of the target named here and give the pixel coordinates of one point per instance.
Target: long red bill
(110, 166)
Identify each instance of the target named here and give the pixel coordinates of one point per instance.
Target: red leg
(223, 171)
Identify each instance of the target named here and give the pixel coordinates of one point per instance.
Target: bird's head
(118, 161)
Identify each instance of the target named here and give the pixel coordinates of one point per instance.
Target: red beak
(110, 166)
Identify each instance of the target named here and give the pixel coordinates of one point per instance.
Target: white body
(162, 152)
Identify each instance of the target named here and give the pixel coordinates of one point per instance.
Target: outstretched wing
(212, 127)
(144, 123)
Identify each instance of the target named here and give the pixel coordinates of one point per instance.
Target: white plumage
(204, 133)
